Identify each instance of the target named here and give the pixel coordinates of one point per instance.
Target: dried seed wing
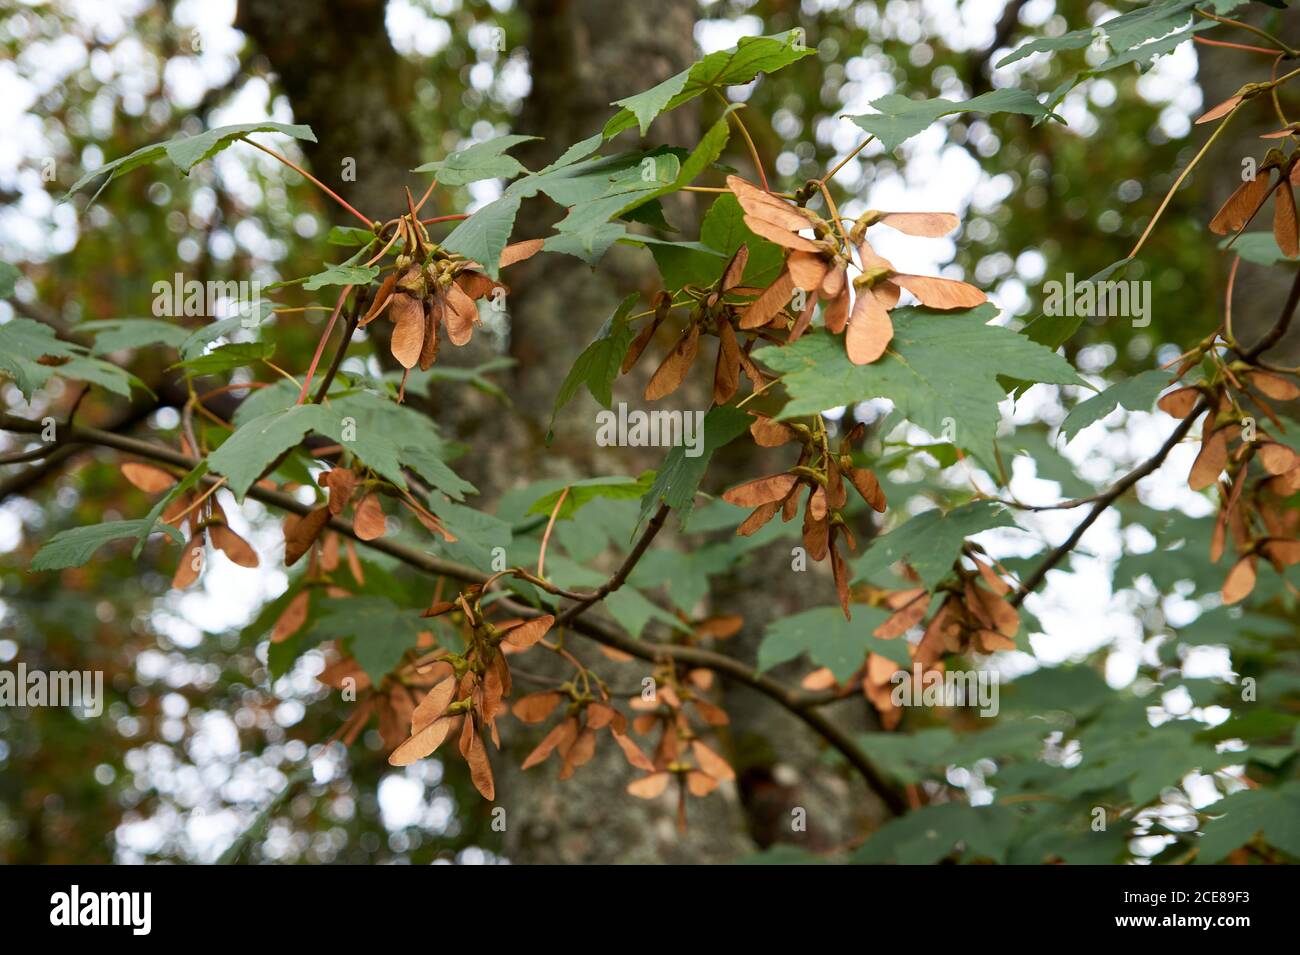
(931, 225)
(713, 715)
(833, 282)
(178, 509)
(807, 269)
(762, 490)
(649, 787)
(804, 320)
(292, 618)
(1210, 462)
(233, 546)
(475, 284)
(767, 207)
(1274, 386)
(871, 261)
(421, 744)
(1277, 458)
(408, 329)
(191, 562)
(520, 251)
(545, 747)
(836, 495)
(639, 343)
(1218, 538)
(726, 373)
(867, 485)
(770, 433)
(434, 704)
(1179, 402)
(870, 329)
(887, 293)
(480, 769)
(751, 370)
(836, 314)
(816, 536)
(993, 579)
(700, 784)
(459, 316)
(524, 636)
(1286, 228)
(633, 753)
(535, 707)
(342, 484)
(369, 521)
(839, 569)
(1240, 580)
(773, 299)
(780, 235)
(1222, 109)
(583, 748)
(672, 372)
(301, 532)
(735, 269)
(1242, 205)
(758, 519)
(147, 478)
(710, 762)
(905, 618)
(941, 293)
(381, 302)
(432, 319)
(1281, 552)
(822, 678)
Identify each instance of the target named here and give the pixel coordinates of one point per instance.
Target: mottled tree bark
(338, 68)
(335, 62)
(584, 54)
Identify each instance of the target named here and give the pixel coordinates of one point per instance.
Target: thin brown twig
(320, 345)
(303, 172)
(749, 141)
(546, 535)
(619, 577)
(1103, 501)
(354, 315)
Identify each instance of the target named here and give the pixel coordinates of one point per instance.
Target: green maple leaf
(941, 372)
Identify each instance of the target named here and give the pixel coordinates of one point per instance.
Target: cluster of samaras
(817, 269)
(443, 695)
(823, 474)
(200, 514)
(975, 615)
(1251, 505)
(431, 289)
(1245, 202)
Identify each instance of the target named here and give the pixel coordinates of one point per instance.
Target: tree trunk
(1260, 291)
(334, 60)
(346, 82)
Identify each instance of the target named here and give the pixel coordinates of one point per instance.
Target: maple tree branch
(306, 175)
(619, 577)
(354, 315)
(1105, 500)
(1263, 34)
(792, 700)
(320, 345)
